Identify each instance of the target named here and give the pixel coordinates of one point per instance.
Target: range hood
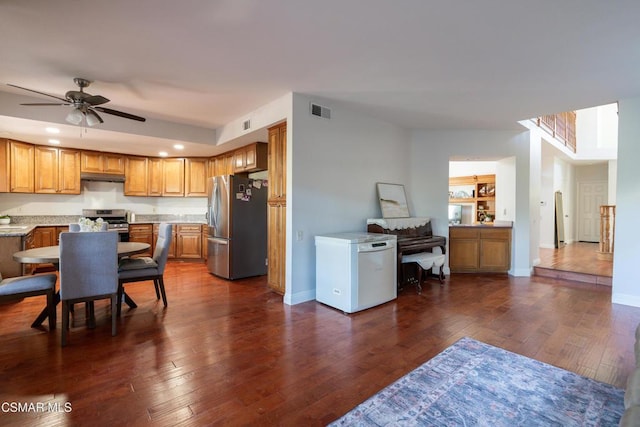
(105, 177)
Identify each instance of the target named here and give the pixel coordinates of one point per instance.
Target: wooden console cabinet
(479, 249)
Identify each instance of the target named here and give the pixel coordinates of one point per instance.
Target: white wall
(429, 164)
(335, 164)
(468, 168)
(97, 195)
(506, 189)
(597, 132)
(627, 233)
(612, 183)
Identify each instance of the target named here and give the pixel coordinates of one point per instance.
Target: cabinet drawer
(464, 233)
(495, 233)
(189, 228)
(139, 228)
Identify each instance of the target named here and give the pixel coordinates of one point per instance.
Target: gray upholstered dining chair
(27, 286)
(88, 272)
(147, 268)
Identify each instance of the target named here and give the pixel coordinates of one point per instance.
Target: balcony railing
(561, 126)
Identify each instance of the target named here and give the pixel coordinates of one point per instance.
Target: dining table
(51, 254)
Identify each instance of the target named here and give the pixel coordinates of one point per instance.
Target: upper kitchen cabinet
(21, 167)
(155, 177)
(4, 166)
(195, 177)
(224, 164)
(136, 176)
(251, 158)
(57, 170)
(173, 177)
(98, 162)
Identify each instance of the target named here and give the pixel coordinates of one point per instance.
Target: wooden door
(276, 242)
(136, 182)
(22, 167)
(46, 169)
(189, 241)
(173, 177)
(195, 184)
(68, 171)
(113, 163)
(155, 177)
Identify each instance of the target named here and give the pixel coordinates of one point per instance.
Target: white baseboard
(631, 300)
(299, 297)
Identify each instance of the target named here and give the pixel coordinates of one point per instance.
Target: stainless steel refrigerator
(237, 219)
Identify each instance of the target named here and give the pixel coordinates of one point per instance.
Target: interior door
(591, 195)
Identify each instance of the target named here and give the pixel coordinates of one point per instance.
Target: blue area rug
(475, 384)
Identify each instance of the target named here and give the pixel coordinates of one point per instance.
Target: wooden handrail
(561, 126)
(607, 228)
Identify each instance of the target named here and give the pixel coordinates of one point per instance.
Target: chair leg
(114, 313)
(155, 285)
(120, 298)
(51, 306)
(65, 322)
(419, 283)
(160, 283)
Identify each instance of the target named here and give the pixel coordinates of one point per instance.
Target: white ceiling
(191, 66)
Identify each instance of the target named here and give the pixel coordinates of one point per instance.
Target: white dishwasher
(355, 271)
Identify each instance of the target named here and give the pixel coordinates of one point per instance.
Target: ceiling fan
(85, 106)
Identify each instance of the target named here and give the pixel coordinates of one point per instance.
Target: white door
(591, 195)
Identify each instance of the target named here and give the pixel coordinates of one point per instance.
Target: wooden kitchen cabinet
(57, 170)
(195, 177)
(173, 177)
(99, 162)
(38, 238)
(251, 158)
(479, 249)
(4, 166)
(21, 167)
(223, 164)
(142, 233)
(189, 241)
(277, 208)
(136, 176)
(155, 176)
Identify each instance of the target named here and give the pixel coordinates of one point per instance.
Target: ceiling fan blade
(120, 114)
(38, 92)
(45, 103)
(95, 100)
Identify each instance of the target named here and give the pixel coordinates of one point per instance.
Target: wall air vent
(320, 111)
(246, 125)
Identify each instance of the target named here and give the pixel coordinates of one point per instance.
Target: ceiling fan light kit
(84, 105)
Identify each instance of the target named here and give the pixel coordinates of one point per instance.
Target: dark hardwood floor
(230, 353)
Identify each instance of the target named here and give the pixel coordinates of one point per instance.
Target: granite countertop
(15, 230)
(492, 225)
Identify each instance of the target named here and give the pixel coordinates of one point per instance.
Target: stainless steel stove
(116, 218)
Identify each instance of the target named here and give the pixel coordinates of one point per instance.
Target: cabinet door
(239, 160)
(173, 245)
(113, 163)
(173, 178)
(91, 161)
(189, 241)
(136, 180)
(142, 233)
(463, 255)
(155, 177)
(46, 169)
(22, 167)
(276, 238)
(277, 155)
(68, 171)
(195, 178)
(495, 250)
(4, 166)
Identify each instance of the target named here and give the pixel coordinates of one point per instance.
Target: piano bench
(426, 261)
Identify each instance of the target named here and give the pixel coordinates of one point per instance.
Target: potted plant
(5, 219)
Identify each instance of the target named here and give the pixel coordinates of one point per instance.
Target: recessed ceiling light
(52, 130)
(54, 141)
(178, 146)
(163, 154)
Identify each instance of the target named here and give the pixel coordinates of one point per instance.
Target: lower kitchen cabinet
(38, 238)
(276, 243)
(479, 249)
(189, 241)
(142, 233)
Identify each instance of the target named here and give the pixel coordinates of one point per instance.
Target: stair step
(572, 276)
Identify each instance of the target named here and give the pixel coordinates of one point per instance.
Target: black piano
(411, 240)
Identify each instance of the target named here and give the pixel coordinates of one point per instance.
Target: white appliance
(356, 271)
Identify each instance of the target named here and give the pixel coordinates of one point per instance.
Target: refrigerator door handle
(214, 205)
(219, 241)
